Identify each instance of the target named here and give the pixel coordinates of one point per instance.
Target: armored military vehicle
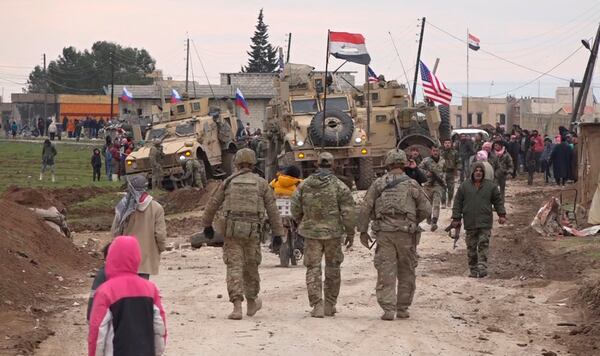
(358, 132)
(192, 129)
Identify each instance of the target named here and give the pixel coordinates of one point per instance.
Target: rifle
(437, 178)
(454, 236)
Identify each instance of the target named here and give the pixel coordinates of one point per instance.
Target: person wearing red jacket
(127, 316)
(538, 147)
(116, 159)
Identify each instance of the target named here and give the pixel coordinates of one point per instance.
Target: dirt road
(452, 314)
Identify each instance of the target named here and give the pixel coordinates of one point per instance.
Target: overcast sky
(534, 35)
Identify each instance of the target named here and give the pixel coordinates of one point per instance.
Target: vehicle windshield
(185, 129)
(340, 103)
(304, 106)
(156, 134)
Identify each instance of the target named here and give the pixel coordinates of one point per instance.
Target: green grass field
(21, 163)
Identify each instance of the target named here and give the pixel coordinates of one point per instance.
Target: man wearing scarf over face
(139, 215)
(502, 164)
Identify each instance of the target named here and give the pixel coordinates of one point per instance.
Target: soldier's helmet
(325, 159)
(245, 155)
(395, 156)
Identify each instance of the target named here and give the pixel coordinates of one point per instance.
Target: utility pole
(187, 64)
(414, 88)
(579, 108)
(287, 59)
(45, 91)
(112, 85)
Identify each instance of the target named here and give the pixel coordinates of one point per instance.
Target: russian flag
(126, 95)
(241, 101)
(175, 97)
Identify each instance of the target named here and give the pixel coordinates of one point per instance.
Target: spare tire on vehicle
(445, 125)
(339, 128)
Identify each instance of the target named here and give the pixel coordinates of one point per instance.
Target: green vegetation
(21, 163)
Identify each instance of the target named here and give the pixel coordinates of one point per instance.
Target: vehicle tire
(227, 162)
(285, 253)
(339, 128)
(445, 125)
(366, 173)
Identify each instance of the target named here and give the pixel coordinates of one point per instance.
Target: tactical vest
(394, 201)
(320, 204)
(243, 199)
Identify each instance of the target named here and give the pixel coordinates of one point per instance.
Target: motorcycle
(291, 249)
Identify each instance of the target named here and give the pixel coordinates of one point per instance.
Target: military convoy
(192, 129)
(358, 129)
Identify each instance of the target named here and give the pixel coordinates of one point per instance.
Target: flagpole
(325, 92)
(467, 114)
(368, 83)
(414, 88)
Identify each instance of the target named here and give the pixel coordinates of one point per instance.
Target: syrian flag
(349, 46)
(241, 101)
(372, 76)
(126, 95)
(473, 42)
(175, 97)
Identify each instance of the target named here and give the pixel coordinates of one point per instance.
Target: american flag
(435, 90)
(372, 76)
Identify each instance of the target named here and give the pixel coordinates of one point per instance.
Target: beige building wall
(484, 111)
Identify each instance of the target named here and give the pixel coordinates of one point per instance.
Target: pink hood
(124, 257)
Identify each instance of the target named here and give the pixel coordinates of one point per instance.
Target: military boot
(41, 176)
(253, 306)
(318, 310)
(236, 314)
(387, 315)
(329, 309)
(402, 314)
(434, 224)
(53, 178)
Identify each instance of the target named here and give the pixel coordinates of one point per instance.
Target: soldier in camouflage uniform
(194, 174)
(473, 204)
(434, 167)
(156, 156)
(450, 156)
(324, 207)
(396, 204)
(244, 198)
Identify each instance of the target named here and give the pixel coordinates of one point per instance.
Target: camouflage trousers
(448, 192)
(157, 175)
(435, 194)
(395, 261)
(314, 249)
(478, 242)
(242, 257)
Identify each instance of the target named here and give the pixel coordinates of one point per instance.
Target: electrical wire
(203, 70)
(495, 55)
(540, 76)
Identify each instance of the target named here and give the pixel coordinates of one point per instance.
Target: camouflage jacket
(433, 167)
(399, 207)
(451, 158)
(502, 165)
(264, 199)
(156, 156)
(324, 207)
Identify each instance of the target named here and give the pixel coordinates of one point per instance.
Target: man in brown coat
(139, 215)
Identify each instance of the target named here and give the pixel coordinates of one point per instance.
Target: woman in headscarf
(139, 215)
(482, 156)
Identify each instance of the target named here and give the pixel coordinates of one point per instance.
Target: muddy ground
(540, 299)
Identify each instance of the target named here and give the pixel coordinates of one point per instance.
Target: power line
(539, 76)
(203, 70)
(495, 55)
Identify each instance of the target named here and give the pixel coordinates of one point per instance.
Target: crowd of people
(52, 128)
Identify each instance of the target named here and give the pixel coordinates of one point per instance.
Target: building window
(479, 118)
(458, 121)
(139, 112)
(469, 119)
(502, 119)
(380, 118)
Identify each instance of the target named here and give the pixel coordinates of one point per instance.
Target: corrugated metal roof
(201, 90)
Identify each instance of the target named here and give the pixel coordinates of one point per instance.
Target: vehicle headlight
(131, 163)
(187, 153)
(300, 143)
(182, 158)
(358, 140)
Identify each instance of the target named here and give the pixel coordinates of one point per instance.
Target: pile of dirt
(45, 198)
(584, 339)
(38, 266)
(188, 199)
(184, 227)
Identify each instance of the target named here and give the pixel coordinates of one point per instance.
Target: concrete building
(532, 113)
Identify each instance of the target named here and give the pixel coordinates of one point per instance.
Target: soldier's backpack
(243, 207)
(393, 199)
